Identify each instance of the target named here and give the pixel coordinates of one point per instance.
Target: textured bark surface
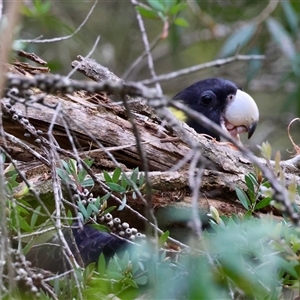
(97, 116)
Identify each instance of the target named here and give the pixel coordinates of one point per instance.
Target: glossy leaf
(142, 280)
(263, 203)
(238, 39)
(116, 175)
(101, 268)
(116, 187)
(157, 5)
(35, 216)
(147, 13)
(181, 22)
(163, 238)
(175, 9)
(107, 177)
(242, 197)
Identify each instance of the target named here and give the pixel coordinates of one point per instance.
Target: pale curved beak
(241, 114)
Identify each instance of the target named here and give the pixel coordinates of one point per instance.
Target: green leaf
(94, 207)
(73, 166)
(175, 9)
(66, 166)
(282, 38)
(88, 212)
(88, 161)
(35, 216)
(263, 203)
(105, 197)
(141, 179)
(24, 225)
(124, 181)
(287, 266)
(242, 197)
(108, 210)
(147, 13)
(163, 238)
(88, 183)
(63, 175)
(142, 280)
(107, 177)
(69, 215)
(134, 175)
(168, 4)
(101, 268)
(238, 39)
(82, 209)
(157, 5)
(116, 187)
(181, 22)
(100, 227)
(116, 175)
(130, 282)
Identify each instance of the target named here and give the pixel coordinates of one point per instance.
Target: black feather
(208, 97)
(89, 241)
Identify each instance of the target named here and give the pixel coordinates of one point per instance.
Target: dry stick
(140, 58)
(215, 63)
(89, 54)
(148, 211)
(106, 189)
(57, 197)
(140, 90)
(46, 144)
(195, 184)
(26, 148)
(38, 41)
(147, 48)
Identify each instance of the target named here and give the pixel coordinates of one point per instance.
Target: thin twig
(195, 175)
(38, 41)
(88, 55)
(190, 70)
(147, 48)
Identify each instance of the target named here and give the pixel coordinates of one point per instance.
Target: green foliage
(259, 192)
(238, 39)
(120, 277)
(165, 10)
(253, 199)
(71, 174)
(245, 257)
(92, 208)
(119, 183)
(40, 12)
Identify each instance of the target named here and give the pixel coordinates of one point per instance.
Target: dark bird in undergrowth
(224, 103)
(219, 100)
(86, 244)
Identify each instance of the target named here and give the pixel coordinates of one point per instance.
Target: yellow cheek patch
(178, 114)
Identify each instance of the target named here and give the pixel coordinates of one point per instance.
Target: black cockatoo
(219, 100)
(90, 243)
(224, 103)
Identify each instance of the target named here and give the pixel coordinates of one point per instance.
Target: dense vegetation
(251, 252)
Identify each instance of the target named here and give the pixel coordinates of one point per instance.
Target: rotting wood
(107, 122)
